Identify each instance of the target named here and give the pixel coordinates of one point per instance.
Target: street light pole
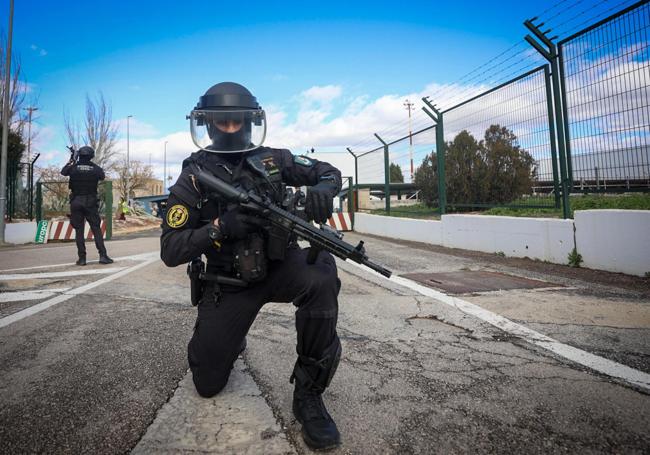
(29, 132)
(5, 128)
(165, 169)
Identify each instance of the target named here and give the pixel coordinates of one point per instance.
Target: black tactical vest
(238, 171)
(83, 179)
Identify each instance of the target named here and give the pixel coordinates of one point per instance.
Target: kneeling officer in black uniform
(254, 263)
(84, 177)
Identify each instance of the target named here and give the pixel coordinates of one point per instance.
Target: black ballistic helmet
(86, 152)
(228, 119)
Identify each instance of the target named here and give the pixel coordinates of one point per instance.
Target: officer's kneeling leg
(216, 343)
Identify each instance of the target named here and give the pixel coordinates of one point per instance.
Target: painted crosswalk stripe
(71, 293)
(20, 296)
(42, 275)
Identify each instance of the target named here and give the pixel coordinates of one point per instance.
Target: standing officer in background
(84, 177)
(256, 263)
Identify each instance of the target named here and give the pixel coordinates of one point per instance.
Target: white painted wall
(18, 233)
(426, 231)
(545, 239)
(614, 240)
(537, 238)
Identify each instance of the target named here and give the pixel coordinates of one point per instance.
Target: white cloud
(137, 128)
(321, 94)
(40, 51)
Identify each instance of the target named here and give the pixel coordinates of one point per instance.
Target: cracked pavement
(105, 372)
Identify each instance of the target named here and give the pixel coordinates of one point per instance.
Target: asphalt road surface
(93, 359)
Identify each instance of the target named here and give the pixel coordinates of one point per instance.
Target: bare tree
(98, 130)
(133, 177)
(17, 88)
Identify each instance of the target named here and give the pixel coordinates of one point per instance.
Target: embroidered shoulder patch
(303, 160)
(177, 216)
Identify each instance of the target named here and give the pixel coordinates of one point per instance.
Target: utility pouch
(250, 259)
(195, 269)
(278, 241)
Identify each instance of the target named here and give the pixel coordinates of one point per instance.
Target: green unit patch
(303, 161)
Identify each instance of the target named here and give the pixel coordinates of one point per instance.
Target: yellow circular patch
(177, 216)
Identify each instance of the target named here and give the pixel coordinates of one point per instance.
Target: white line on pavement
(68, 295)
(600, 364)
(133, 257)
(36, 276)
(29, 295)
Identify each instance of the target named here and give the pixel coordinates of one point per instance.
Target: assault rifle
(73, 153)
(323, 238)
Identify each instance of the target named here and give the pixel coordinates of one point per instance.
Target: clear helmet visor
(228, 131)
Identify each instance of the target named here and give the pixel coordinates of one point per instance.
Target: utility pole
(5, 128)
(408, 105)
(29, 132)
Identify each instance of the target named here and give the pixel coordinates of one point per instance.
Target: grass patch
(639, 201)
(420, 211)
(636, 201)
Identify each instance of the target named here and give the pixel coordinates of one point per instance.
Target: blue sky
(313, 65)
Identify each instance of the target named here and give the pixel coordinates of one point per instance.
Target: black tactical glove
(234, 224)
(320, 201)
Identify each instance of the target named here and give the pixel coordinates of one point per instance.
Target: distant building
(153, 187)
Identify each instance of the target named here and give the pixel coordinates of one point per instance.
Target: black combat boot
(312, 376)
(81, 260)
(318, 428)
(104, 259)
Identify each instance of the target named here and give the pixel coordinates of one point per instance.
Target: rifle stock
(318, 238)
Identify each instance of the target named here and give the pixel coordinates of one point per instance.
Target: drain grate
(465, 282)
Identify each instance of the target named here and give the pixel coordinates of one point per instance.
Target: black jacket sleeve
(99, 172)
(67, 168)
(180, 244)
(304, 171)
(184, 235)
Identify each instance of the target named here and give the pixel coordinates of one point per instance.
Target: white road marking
(19, 296)
(36, 276)
(133, 257)
(597, 363)
(68, 295)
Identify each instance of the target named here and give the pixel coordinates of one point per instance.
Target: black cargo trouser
(85, 208)
(224, 319)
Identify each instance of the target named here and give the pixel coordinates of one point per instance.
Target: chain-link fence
(606, 78)
(20, 190)
(580, 122)
(500, 150)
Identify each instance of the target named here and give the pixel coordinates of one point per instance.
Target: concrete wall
(537, 238)
(612, 240)
(615, 240)
(20, 232)
(426, 231)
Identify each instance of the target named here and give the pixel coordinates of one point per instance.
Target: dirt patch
(619, 280)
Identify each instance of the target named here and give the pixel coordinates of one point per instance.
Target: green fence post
(356, 180)
(108, 208)
(551, 132)
(551, 55)
(436, 116)
(386, 174)
(39, 201)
